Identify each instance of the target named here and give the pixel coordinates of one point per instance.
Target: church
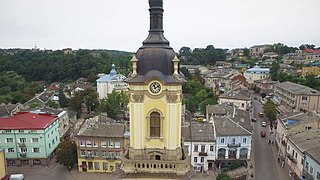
(155, 101)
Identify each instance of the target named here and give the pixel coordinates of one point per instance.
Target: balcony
(292, 159)
(203, 154)
(23, 155)
(234, 145)
(221, 156)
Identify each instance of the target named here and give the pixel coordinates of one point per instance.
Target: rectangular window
(304, 98)
(82, 143)
(103, 144)
(195, 148)
(111, 155)
(35, 140)
(195, 159)
(222, 140)
(10, 150)
(311, 170)
(318, 175)
(8, 131)
(104, 154)
(117, 144)
(89, 153)
(96, 153)
(82, 153)
(9, 140)
(95, 144)
(22, 140)
(21, 131)
(307, 166)
(105, 166)
(233, 141)
(288, 148)
(202, 159)
(23, 149)
(244, 140)
(110, 144)
(203, 148)
(155, 124)
(117, 154)
(211, 148)
(96, 166)
(89, 143)
(36, 150)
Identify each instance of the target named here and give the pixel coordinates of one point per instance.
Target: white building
(241, 99)
(233, 133)
(199, 140)
(110, 82)
(256, 73)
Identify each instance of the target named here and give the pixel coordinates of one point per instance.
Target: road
(264, 163)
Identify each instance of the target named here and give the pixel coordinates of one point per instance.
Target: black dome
(155, 58)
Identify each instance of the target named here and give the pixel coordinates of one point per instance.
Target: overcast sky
(124, 24)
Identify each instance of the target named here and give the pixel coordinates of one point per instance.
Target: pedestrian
(269, 141)
(278, 159)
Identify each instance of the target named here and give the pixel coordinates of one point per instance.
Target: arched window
(155, 124)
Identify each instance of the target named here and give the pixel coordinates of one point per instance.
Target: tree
(223, 176)
(185, 51)
(115, 104)
(246, 52)
(270, 110)
(306, 46)
(63, 101)
(66, 154)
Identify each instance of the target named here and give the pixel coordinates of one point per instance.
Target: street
(264, 163)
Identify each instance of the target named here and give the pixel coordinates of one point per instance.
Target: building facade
(155, 91)
(29, 138)
(311, 69)
(233, 133)
(110, 82)
(258, 50)
(241, 99)
(100, 144)
(295, 97)
(311, 169)
(200, 142)
(256, 73)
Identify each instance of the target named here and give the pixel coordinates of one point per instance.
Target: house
(110, 82)
(291, 70)
(298, 145)
(199, 140)
(265, 85)
(256, 73)
(3, 165)
(39, 100)
(270, 55)
(100, 143)
(29, 138)
(192, 69)
(311, 69)
(258, 50)
(220, 80)
(290, 124)
(9, 109)
(233, 132)
(295, 97)
(311, 169)
(241, 99)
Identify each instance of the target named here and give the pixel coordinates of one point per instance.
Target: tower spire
(156, 36)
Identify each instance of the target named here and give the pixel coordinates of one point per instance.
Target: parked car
(264, 124)
(263, 134)
(16, 177)
(253, 119)
(261, 114)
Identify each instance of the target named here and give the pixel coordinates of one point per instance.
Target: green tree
(223, 176)
(52, 104)
(66, 154)
(270, 110)
(90, 99)
(63, 101)
(115, 104)
(185, 51)
(246, 52)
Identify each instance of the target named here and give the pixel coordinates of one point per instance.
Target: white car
(16, 177)
(264, 124)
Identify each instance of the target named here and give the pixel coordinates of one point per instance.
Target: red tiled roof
(312, 50)
(26, 121)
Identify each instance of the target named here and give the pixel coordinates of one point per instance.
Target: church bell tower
(155, 90)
